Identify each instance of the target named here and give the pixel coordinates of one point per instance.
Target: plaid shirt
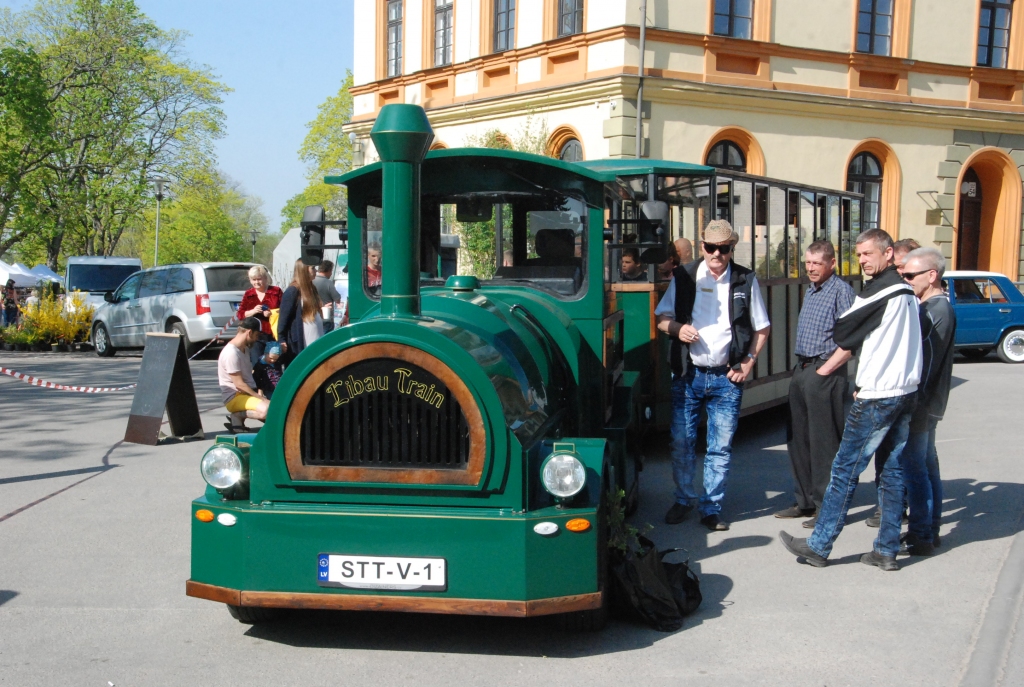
(822, 307)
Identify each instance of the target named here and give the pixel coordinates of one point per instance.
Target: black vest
(740, 281)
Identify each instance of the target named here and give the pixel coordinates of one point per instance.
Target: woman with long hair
(299, 323)
(258, 302)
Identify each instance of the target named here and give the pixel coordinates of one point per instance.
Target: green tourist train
(458, 446)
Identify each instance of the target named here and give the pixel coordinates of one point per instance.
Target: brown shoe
(795, 512)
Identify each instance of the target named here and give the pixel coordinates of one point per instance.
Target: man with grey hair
(715, 316)
(883, 325)
(923, 271)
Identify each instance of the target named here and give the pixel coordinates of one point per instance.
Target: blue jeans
(692, 392)
(868, 423)
(924, 484)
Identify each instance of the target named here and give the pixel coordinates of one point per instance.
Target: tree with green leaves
(327, 151)
(124, 105)
(24, 127)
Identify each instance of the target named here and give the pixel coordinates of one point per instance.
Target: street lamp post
(159, 196)
(252, 235)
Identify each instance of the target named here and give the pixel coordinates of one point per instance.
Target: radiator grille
(385, 413)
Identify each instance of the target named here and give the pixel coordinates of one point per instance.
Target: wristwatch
(751, 356)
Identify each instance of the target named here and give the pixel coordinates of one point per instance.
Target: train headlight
(222, 467)
(563, 475)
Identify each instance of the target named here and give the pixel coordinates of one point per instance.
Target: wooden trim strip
(474, 419)
(401, 604)
(199, 590)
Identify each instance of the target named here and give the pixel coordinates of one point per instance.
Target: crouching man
(234, 375)
(883, 323)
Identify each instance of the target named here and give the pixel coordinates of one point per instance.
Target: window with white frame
(394, 37)
(442, 32)
(504, 25)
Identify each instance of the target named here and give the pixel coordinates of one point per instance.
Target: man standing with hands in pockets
(816, 402)
(715, 316)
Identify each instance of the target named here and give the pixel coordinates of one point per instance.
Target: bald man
(685, 251)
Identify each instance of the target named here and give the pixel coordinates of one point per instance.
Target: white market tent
(43, 272)
(22, 278)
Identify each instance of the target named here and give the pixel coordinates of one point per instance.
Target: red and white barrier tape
(29, 379)
(233, 320)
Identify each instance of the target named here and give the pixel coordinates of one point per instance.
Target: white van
(94, 276)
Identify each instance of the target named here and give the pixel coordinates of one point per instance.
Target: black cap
(250, 323)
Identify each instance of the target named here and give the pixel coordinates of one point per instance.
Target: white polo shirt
(711, 315)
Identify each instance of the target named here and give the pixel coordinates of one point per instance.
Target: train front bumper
(495, 561)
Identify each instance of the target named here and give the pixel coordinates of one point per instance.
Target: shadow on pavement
(450, 634)
(6, 595)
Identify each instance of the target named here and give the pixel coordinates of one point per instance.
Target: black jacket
(289, 322)
(741, 280)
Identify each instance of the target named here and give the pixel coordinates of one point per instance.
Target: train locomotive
(458, 447)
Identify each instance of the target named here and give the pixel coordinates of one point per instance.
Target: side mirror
(109, 297)
(313, 235)
(653, 228)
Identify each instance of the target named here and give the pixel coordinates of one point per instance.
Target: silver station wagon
(195, 300)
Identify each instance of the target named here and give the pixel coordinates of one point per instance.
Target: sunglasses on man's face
(723, 248)
(911, 276)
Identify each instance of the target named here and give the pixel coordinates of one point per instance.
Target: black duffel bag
(650, 590)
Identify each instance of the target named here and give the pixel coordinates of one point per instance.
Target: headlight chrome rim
(563, 475)
(222, 467)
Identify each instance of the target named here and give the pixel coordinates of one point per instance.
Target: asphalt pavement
(94, 554)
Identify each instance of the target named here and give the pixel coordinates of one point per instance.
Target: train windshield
(536, 240)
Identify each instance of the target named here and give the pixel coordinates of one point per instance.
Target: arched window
(865, 176)
(571, 151)
(727, 155)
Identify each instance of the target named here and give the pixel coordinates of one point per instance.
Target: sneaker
(881, 562)
(799, 548)
(811, 522)
(795, 512)
(910, 545)
(714, 523)
(677, 513)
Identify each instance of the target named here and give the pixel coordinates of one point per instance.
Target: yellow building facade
(916, 103)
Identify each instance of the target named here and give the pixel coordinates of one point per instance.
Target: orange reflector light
(204, 515)
(578, 525)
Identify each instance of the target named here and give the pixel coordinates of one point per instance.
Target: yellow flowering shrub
(49, 322)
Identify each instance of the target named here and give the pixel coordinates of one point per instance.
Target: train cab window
(536, 241)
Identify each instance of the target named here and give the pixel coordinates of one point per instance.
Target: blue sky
(282, 59)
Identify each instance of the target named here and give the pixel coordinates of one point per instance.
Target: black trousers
(817, 416)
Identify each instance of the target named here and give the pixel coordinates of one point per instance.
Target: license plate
(382, 572)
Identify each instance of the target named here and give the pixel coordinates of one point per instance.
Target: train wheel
(254, 615)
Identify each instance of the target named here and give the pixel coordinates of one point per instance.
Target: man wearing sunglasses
(715, 316)
(923, 271)
(883, 325)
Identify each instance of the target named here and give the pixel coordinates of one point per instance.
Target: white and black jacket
(883, 323)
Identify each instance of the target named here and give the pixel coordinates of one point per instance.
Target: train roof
(623, 167)
(596, 170)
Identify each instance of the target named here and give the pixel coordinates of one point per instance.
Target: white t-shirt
(313, 330)
(711, 315)
(233, 360)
